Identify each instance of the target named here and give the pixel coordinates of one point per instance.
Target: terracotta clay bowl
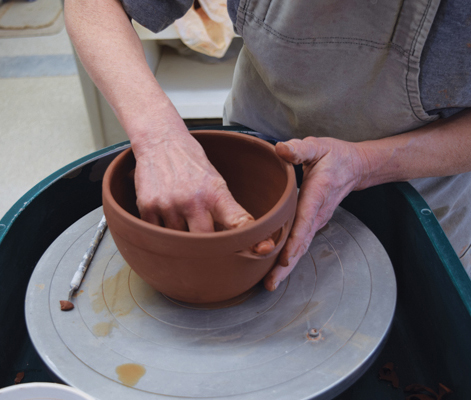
(207, 267)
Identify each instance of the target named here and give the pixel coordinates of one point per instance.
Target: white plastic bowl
(43, 391)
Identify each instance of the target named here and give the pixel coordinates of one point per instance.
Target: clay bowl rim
(173, 233)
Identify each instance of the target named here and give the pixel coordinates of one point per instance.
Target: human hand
(177, 187)
(332, 169)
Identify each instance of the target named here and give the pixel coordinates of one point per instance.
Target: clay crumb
(421, 392)
(387, 373)
(420, 397)
(443, 391)
(19, 377)
(66, 305)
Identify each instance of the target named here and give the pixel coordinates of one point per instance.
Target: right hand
(177, 187)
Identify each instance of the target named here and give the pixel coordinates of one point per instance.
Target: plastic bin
(429, 342)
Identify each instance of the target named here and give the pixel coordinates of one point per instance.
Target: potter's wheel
(124, 340)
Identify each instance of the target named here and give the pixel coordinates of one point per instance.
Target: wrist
(148, 133)
(153, 141)
(380, 164)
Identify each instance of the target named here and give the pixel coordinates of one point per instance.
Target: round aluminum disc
(123, 340)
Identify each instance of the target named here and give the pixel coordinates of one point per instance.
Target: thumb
(298, 151)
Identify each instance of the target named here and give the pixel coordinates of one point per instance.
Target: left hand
(332, 169)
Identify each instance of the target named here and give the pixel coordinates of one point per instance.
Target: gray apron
(342, 69)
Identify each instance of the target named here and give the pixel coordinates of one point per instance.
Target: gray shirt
(445, 78)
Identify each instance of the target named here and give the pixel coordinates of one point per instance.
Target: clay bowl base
(235, 301)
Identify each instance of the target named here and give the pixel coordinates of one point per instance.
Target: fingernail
(289, 146)
(276, 284)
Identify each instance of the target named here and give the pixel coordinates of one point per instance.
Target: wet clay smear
(66, 305)
(130, 374)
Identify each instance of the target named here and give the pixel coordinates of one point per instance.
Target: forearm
(112, 54)
(441, 148)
